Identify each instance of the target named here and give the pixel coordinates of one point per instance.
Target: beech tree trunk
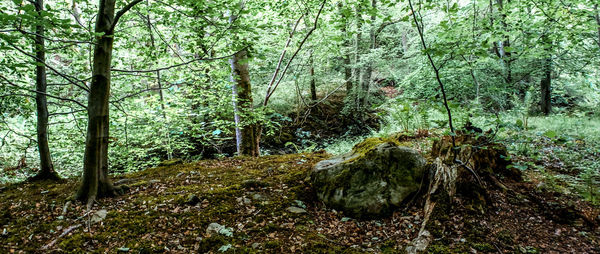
(366, 82)
(313, 82)
(46, 166)
(95, 181)
(357, 45)
(249, 144)
(545, 87)
(347, 42)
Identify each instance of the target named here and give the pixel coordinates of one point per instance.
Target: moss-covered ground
(168, 210)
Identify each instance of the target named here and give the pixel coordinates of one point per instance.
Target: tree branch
(177, 65)
(122, 12)
(270, 93)
(38, 92)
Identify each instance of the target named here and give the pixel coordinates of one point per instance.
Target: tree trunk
(95, 182)
(159, 82)
(46, 167)
(236, 113)
(545, 83)
(346, 45)
(313, 83)
(366, 82)
(357, 45)
(505, 55)
(597, 22)
(249, 132)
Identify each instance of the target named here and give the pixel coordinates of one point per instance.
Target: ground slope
(266, 205)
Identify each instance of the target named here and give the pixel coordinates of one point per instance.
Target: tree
(249, 144)
(46, 166)
(313, 82)
(95, 181)
(366, 82)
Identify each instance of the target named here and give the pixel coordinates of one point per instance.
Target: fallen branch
(64, 233)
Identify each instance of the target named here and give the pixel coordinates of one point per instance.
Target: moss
(506, 237)
(272, 245)
(391, 247)
(170, 162)
(484, 247)
(369, 144)
(212, 243)
(74, 242)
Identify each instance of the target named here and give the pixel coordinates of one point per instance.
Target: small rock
(153, 181)
(255, 245)
(214, 228)
(254, 183)
(243, 200)
(293, 209)
(192, 199)
(4, 232)
(99, 216)
(258, 197)
(180, 174)
(123, 249)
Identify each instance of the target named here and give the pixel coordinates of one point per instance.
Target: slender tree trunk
(46, 166)
(249, 132)
(357, 50)
(366, 82)
(313, 83)
(545, 87)
(95, 181)
(503, 45)
(234, 95)
(159, 82)
(346, 49)
(597, 22)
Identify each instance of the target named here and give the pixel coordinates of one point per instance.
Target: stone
(192, 199)
(258, 197)
(254, 183)
(371, 180)
(293, 209)
(99, 216)
(214, 228)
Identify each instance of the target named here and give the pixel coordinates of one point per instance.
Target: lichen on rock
(371, 180)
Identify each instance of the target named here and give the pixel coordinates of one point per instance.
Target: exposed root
(45, 175)
(445, 177)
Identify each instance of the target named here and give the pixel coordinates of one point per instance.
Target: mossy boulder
(371, 180)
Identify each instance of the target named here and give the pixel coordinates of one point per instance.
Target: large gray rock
(371, 180)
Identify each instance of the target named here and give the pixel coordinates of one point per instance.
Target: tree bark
(346, 45)
(357, 50)
(366, 82)
(46, 166)
(545, 87)
(249, 145)
(95, 181)
(313, 83)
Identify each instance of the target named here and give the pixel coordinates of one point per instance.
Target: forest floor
(247, 205)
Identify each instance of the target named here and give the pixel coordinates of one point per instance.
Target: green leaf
(550, 134)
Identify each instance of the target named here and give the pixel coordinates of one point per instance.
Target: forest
(299, 126)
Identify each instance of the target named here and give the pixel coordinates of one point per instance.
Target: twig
(64, 233)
